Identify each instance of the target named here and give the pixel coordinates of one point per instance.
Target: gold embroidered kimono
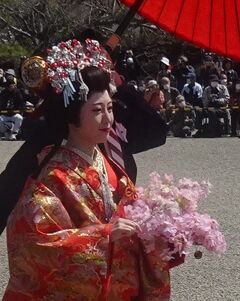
(58, 241)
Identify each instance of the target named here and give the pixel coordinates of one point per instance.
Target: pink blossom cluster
(168, 211)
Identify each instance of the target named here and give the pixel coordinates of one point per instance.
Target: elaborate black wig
(57, 115)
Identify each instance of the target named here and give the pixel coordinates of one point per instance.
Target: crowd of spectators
(197, 102)
(194, 101)
(15, 103)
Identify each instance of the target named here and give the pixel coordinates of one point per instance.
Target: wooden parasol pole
(115, 38)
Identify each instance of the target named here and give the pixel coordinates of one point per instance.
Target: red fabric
(112, 177)
(214, 25)
(117, 79)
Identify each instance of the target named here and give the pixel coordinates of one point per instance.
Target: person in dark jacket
(180, 71)
(170, 93)
(11, 99)
(2, 80)
(215, 101)
(207, 69)
(235, 108)
(182, 122)
(232, 75)
(192, 91)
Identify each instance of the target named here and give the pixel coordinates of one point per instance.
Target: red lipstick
(106, 130)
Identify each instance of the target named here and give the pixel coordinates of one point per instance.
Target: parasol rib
(195, 20)
(161, 11)
(131, 13)
(225, 28)
(179, 15)
(210, 26)
(237, 18)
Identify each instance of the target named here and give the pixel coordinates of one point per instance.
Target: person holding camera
(153, 95)
(182, 121)
(215, 100)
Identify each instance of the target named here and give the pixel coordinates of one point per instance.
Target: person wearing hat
(232, 75)
(165, 71)
(216, 94)
(153, 95)
(192, 92)
(207, 68)
(10, 74)
(2, 80)
(215, 99)
(165, 61)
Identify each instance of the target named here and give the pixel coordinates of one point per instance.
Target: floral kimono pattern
(59, 244)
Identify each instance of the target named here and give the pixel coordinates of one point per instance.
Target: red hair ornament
(63, 66)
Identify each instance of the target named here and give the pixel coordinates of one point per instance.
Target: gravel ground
(212, 278)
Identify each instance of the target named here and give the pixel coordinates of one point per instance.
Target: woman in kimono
(67, 236)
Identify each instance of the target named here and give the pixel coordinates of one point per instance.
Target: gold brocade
(58, 240)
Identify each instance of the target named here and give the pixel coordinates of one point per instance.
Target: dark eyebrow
(100, 103)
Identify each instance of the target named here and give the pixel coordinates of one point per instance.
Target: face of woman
(96, 119)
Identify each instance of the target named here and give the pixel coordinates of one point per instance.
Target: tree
(37, 24)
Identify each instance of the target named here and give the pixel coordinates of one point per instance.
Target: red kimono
(59, 244)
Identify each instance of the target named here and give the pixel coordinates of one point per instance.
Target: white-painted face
(96, 119)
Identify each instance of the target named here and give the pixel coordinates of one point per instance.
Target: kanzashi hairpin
(67, 59)
(63, 67)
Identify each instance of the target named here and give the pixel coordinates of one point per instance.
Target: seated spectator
(170, 93)
(231, 74)
(207, 69)
(11, 75)
(153, 95)
(141, 87)
(215, 98)
(181, 70)
(11, 99)
(192, 91)
(182, 122)
(165, 71)
(235, 109)
(133, 84)
(224, 80)
(2, 80)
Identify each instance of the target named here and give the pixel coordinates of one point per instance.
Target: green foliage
(10, 55)
(12, 51)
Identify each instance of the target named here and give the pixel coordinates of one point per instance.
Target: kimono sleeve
(51, 249)
(154, 272)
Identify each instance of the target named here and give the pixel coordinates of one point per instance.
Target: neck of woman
(83, 146)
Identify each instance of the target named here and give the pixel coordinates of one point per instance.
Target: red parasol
(210, 24)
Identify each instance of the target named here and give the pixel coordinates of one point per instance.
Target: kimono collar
(90, 160)
(96, 161)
